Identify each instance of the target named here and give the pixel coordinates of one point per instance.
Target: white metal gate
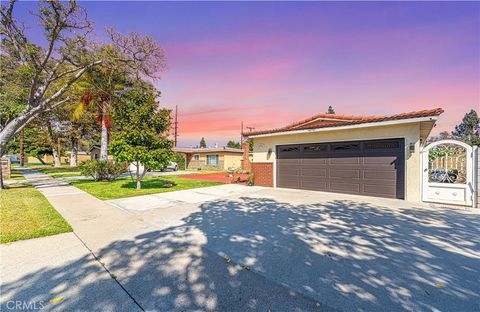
(448, 173)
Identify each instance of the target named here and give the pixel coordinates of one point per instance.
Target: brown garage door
(373, 168)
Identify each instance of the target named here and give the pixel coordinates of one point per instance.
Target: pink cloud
(224, 46)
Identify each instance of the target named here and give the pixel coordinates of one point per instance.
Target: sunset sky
(269, 64)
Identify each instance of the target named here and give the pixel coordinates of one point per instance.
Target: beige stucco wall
(410, 132)
(202, 162)
(232, 160)
(225, 160)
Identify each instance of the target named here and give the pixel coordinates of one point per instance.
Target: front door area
(448, 173)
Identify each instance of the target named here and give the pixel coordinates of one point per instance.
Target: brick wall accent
(262, 174)
(246, 164)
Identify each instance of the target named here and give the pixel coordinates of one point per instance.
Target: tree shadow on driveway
(353, 255)
(260, 254)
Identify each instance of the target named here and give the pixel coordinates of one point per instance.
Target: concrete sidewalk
(96, 222)
(38, 272)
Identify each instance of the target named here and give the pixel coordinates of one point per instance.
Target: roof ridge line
(360, 119)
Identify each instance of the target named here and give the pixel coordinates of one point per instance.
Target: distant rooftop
(206, 149)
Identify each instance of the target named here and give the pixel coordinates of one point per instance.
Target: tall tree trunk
(56, 157)
(139, 179)
(59, 150)
(40, 159)
(10, 130)
(22, 148)
(1, 176)
(104, 137)
(74, 152)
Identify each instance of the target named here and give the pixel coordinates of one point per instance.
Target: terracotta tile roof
(332, 120)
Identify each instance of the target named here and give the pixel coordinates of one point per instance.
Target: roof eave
(361, 125)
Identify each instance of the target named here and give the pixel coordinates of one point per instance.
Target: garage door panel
(288, 172)
(379, 190)
(314, 172)
(290, 162)
(346, 160)
(345, 173)
(374, 168)
(380, 160)
(314, 184)
(289, 182)
(389, 175)
(314, 161)
(377, 182)
(348, 187)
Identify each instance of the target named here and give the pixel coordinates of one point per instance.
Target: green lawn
(126, 188)
(57, 172)
(25, 213)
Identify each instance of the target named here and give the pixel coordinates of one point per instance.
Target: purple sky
(269, 64)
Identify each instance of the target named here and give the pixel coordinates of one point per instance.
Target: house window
(346, 147)
(315, 148)
(382, 145)
(212, 160)
(289, 149)
(196, 157)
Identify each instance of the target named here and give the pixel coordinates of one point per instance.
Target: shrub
(180, 160)
(102, 170)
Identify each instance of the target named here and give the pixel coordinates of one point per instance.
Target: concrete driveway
(346, 252)
(236, 248)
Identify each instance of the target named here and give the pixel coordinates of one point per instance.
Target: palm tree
(102, 103)
(101, 86)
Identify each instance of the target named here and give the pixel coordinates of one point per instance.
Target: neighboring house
(94, 152)
(363, 155)
(215, 158)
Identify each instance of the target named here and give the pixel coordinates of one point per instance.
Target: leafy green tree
(444, 135)
(330, 110)
(67, 55)
(203, 144)
(141, 133)
(181, 161)
(37, 143)
(51, 70)
(250, 145)
(233, 144)
(469, 129)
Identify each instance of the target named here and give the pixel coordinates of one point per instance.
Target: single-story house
(362, 155)
(215, 158)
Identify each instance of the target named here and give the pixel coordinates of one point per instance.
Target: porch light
(412, 147)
